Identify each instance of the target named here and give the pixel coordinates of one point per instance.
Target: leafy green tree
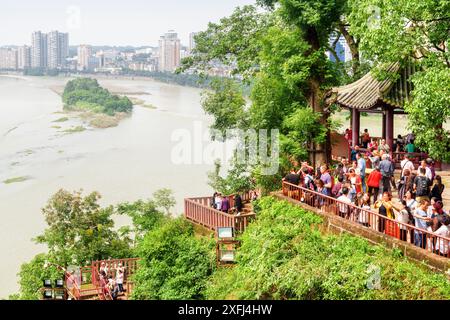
(145, 216)
(175, 265)
(80, 231)
(164, 198)
(84, 93)
(226, 104)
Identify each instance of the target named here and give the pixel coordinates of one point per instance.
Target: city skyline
(102, 23)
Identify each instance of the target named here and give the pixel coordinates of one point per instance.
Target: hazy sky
(110, 22)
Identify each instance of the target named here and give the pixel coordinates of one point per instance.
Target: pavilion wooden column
(390, 128)
(383, 128)
(356, 123)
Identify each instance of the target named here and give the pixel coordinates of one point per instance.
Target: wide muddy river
(125, 163)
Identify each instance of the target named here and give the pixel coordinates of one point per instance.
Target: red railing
(370, 219)
(87, 282)
(199, 210)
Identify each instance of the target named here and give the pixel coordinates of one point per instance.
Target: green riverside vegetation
(285, 254)
(85, 94)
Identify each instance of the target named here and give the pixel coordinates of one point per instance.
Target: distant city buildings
(85, 55)
(49, 50)
(8, 58)
(169, 52)
(23, 57)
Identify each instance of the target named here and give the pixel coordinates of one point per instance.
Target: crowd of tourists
(111, 281)
(365, 183)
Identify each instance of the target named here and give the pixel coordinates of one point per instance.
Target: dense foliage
(87, 94)
(412, 29)
(286, 255)
(175, 265)
(80, 231)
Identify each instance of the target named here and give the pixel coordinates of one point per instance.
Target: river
(124, 163)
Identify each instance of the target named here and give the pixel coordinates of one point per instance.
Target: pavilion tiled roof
(368, 92)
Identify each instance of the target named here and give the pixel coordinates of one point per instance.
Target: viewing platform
(200, 211)
(85, 283)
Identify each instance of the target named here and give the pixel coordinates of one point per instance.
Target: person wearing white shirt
(428, 172)
(406, 164)
(344, 200)
(442, 246)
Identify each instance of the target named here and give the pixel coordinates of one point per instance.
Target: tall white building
(39, 48)
(84, 53)
(24, 57)
(63, 43)
(8, 58)
(169, 52)
(49, 50)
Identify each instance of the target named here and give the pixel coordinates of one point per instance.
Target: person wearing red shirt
(373, 182)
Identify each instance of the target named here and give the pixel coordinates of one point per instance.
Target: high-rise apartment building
(39, 50)
(169, 52)
(84, 53)
(24, 57)
(49, 50)
(8, 58)
(63, 43)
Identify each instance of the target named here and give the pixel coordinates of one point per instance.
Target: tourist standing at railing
(387, 172)
(362, 170)
(292, 177)
(238, 203)
(386, 208)
(326, 178)
(365, 205)
(403, 217)
(308, 180)
(421, 219)
(219, 201)
(373, 182)
(442, 246)
(344, 201)
(103, 268)
(119, 280)
(399, 144)
(225, 206)
(438, 189)
(213, 200)
(337, 188)
(120, 273)
(422, 186)
(355, 180)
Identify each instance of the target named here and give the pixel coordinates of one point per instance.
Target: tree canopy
(87, 94)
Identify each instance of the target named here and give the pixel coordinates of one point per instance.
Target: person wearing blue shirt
(362, 170)
(421, 219)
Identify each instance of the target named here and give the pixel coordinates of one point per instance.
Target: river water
(124, 163)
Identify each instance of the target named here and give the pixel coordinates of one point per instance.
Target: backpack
(310, 184)
(422, 186)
